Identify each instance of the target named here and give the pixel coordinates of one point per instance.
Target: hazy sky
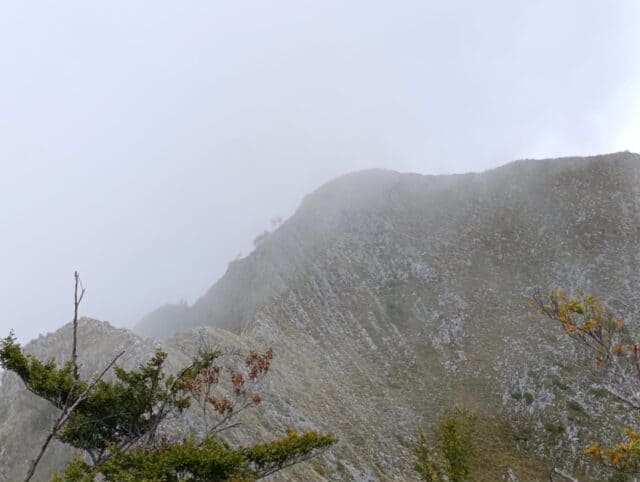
(146, 143)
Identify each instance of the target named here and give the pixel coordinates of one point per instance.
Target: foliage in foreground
(592, 324)
(454, 448)
(206, 460)
(117, 424)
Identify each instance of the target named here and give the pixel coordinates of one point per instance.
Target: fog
(146, 144)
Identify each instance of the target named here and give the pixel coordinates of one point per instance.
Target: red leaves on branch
(211, 375)
(192, 386)
(201, 386)
(206, 378)
(258, 364)
(220, 405)
(237, 380)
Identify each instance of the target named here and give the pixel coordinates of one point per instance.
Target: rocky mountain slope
(389, 297)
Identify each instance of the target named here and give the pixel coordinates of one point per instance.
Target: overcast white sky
(146, 143)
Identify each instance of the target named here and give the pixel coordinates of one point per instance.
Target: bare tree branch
(67, 409)
(296, 460)
(563, 475)
(77, 299)
(64, 416)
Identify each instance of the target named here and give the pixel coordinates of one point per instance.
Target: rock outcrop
(388, 297)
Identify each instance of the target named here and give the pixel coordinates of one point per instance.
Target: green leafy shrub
(454, 448)
(117, 423)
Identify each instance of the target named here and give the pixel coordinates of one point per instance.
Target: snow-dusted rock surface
(389, 297)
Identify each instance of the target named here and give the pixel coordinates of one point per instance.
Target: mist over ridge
(322, 215)
(323, 241)
(147, 145)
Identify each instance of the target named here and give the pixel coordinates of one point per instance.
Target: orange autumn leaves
(625, 456)
(589, 321)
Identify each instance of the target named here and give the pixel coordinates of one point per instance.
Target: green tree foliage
(454, 448)
(200, 461)
(117, 423)
(424, 463)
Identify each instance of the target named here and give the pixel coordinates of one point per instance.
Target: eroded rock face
(389, 297)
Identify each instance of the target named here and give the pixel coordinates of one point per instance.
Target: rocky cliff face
(388, 297)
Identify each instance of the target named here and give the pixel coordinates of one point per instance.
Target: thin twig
(64, 417)
(296, 460)
(564, 475)
(67, 410)
(77, 299)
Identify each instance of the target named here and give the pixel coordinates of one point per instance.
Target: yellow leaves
(589, 325)
(594, 449)
(619, 324)
(589, 321)
(576, 307)
(581, 315)
(592, 323)
(617, 348)
(635, 437)
(559, 294)
(591, 299)
(623, 456)
(615, 457)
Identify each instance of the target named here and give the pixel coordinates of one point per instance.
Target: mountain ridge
(389, 297)
(340, 191)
